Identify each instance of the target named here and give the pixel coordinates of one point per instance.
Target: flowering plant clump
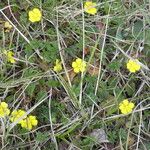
(26, 121)
(17, 114)
(133, 66)
(126, 107)
(29, 122)
(4, 110)
(35, 15)
(10, 56)
(89, 8)
(7, 26)
(79, 65)
(58, 66)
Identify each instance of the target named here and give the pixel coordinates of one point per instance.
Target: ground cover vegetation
(75, 74)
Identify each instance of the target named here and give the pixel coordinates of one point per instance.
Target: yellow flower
(16, 114)
(79, 65)
(10, 56)
(7, 26)
(133, 65)
(89, 7)
(126, 107)
(35, 15)
(29, 122)
(4, 110)
(58, 66)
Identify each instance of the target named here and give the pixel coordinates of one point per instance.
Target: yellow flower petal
(7, 112)
(10, 56)
(74, 64)
(126, 107)
(82, 69)
(131, 105)
(132, 70)
(33, 120)
(58, 66)
(124, 111)
(16, 115)
(35, 15)
(29, 122)
(4, 111)
(7, 25)
(76, 70)
(90, 7)
(78, 61)
(137, 67)
(3, 105)
(125, 102)
(79, 65)
(133, 66)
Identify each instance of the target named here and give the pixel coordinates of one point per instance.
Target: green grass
(70, 107)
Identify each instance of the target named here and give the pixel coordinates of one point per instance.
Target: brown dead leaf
(63, 146)
(131, 140)
(71, 74)
(100, 25)
(86, 50)
(93, 70)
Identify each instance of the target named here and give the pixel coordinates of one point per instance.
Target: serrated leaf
(40, 137)
(41, 95)
(137, 29)
(115, 65)
(30, 89)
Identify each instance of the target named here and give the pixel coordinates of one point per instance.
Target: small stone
(99, 135)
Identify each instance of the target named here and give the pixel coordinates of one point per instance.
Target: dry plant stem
(13, 135)
(15, 27)
(94, 115)
(140, 88)
(6, 7)
(129, 130)
(11, 39)
(18, 99)
(125, 54)
(121, 115)
(3, 130)
(23, 27)
(81, 81)
(15, 83)
(63, 129)
(139, 132)
(25, 38)
(69, 91)
(42, 24)
(135, 110)
(102, 51)
(60, 52)
(50, 119)
(4, 39)
(121, 144)
(90, 59)
(12, 125)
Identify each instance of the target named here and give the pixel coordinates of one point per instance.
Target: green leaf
(41, 137)
(30, 89)
(137, 29)
(53, 83)
(41, 95)
(130, 89)
(49, 52)
(147, 37)
(30, 71)
(115, 65)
